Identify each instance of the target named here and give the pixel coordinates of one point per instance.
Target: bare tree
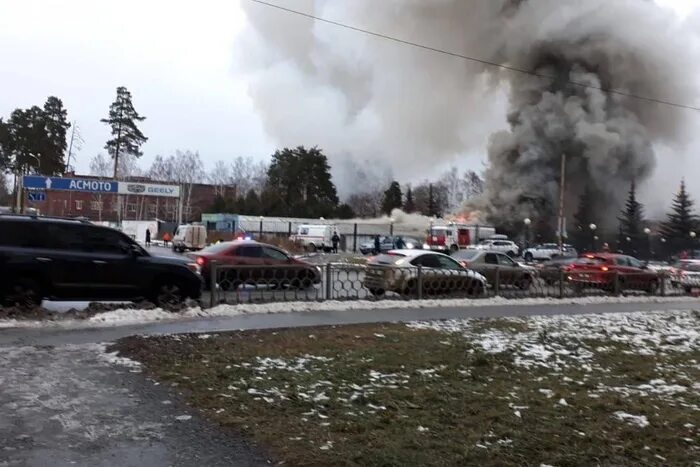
(248, 174)
(220, 177)
(102, 167)
(184, 168)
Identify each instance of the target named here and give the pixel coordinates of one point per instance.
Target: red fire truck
(452, 237)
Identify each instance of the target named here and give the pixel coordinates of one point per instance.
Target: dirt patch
(95, 308)
(478, 392)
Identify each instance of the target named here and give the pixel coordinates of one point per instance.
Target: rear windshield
(587, 260)
(387, 259)
(466, 254)
(217, 248)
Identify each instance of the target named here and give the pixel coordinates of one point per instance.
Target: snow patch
(125, 317)
(639, 420)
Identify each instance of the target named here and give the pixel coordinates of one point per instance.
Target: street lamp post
(593, 228)
(693, 235)
(527, 221)
(261, 227)
(391, 226)
(647, 231)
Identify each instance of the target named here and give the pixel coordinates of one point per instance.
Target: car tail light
(200, 260)
(604, 268)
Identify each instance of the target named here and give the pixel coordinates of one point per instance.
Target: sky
(179, 59)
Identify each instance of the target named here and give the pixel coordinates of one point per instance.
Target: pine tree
(409, 205)
(56, 127)
(127, 138)
(582, 236)
(681, 221)
(631, 225)
(393, 199)
(431, 201)
(252, 203)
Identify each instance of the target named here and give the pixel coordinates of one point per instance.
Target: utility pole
(562, 187)
(70, 146)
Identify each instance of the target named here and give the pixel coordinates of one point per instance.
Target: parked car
(260, 264)
(389, 243)
(551, 271)
(69, 259)
(547, 251)
(495, 245)
(493, 263)
(687, 275)
(598, 270)
(397, 271)
(190, 237)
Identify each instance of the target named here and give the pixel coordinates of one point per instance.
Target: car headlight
(195, 268)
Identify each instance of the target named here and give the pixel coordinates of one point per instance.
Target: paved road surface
(68, 406)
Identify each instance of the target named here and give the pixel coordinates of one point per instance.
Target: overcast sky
(178, 59)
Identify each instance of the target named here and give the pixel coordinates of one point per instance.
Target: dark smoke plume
(414, 110)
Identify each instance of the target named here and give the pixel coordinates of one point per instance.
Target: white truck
(190, 237)
(315, 237)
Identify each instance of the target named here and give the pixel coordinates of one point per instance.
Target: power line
(472, 59)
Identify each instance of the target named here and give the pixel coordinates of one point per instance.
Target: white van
(190, 237)
(315, 237)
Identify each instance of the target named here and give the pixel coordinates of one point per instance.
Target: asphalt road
(68, 406)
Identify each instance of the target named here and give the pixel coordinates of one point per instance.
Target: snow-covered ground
(124, 317)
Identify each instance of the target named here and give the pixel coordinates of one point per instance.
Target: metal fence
(267, 284)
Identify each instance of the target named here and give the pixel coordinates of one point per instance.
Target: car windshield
(589, 261)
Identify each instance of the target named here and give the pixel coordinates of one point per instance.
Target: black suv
(70, 259)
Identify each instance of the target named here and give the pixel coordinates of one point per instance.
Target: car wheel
(653, 288)
(528, 257)
(476, 290)
(511, 254)
(23, 293)
(312, 248)
(688, 289)
(454, 249)
(168, 293)
(525, 283)
(377, 292)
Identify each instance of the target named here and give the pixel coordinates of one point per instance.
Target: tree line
(635, 235)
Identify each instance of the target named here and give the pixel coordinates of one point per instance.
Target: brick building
(197, 199)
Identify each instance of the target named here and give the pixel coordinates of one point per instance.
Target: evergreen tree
(681, 220)
(301, 179)
(345, 212)
(582, 236)
(252, 204)
(126, 136)
(632, 225)
(409, 205)
(5, 150)
(56, 127)
(393, 199)
(219, 205)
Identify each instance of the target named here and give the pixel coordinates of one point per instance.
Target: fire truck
(452, 237)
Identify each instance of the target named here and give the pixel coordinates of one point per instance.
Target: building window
(153, 208)
(131, 207)
(96, 205)
(78, 204)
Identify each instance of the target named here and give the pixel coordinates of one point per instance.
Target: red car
(258, 264)
(598, 270)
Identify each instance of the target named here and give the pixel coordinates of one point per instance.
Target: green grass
(448, 402)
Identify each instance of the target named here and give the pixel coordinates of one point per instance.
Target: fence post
(616, 283)
(561, 283)
(213, 279)
(290, 229)
(497, 282)
(419, 284)
(662, 286)
(354, 238)
(329, 282)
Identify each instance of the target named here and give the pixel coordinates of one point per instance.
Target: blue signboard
(71, 184)
(36, 196)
